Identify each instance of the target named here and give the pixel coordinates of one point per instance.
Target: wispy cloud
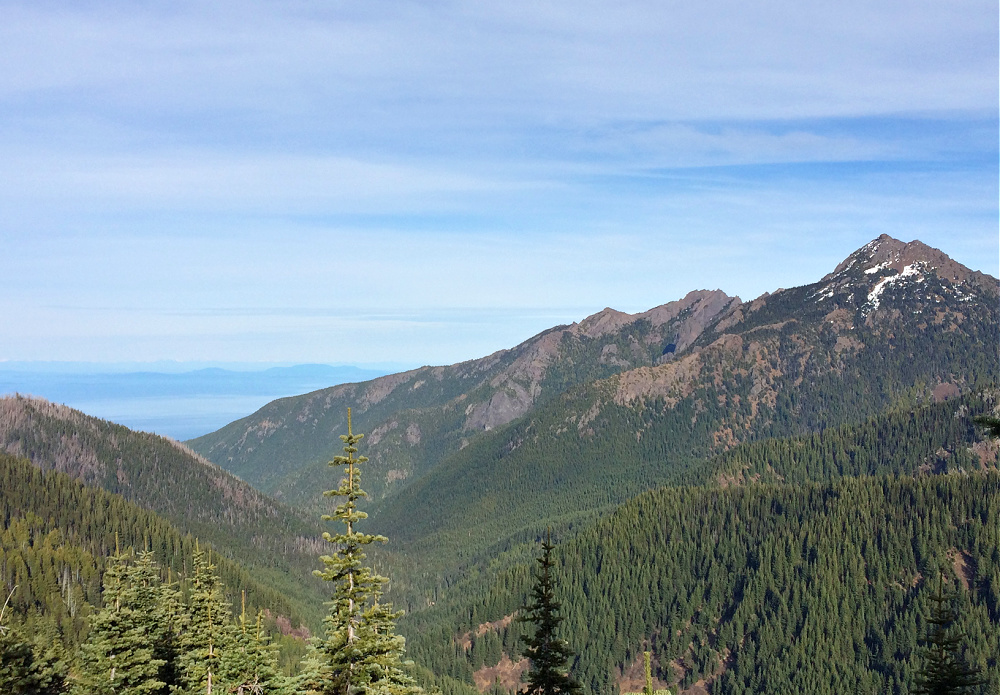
(200, 161)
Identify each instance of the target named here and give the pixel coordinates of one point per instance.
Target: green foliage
(57, 541)
(800, 362)
(945, 670)
(362, 651)
(548, 653)
(163, 477)
(933, 438)
(145, 639)
(808, 580)
(209, 633)
(251, 665)
(567, 481)
(781, 589)
(35, 667)
(119, 656)
(759, 588)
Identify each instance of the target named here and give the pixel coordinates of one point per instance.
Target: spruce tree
(119, 655)
(34, 666)
(209, 633)
(50, 660)
(250, 666)
(16, 662)
(548, 674)
(945, 670)
(172, 619)
(362, 652)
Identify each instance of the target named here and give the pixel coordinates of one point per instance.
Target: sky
(428, 182)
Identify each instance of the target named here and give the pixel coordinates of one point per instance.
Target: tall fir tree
(549, 655)
(210, 633)
(945, 670)
(119, 656)
(362, 653)
(250, 666)
(173, 619)
(36, 666)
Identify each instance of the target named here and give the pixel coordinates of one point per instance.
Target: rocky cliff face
(617, 340)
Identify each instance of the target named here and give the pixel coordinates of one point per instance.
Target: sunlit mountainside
(585, 416)
(755, 492)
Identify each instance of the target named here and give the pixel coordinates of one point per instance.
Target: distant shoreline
(181, 404)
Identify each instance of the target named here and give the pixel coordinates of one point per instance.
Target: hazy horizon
(177, 404)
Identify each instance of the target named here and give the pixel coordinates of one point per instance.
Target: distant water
(180, 405)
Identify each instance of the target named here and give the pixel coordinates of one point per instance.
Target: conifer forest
(776, 504)
(413, 347)
(874, 582)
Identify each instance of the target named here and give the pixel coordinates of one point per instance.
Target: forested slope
(415, 419)
(894, 327)
(895, 323)
(772, 589)
(56, 538)
(156, 474)
(696, 556)
(515, 482)
(939, 438)
(817, 588)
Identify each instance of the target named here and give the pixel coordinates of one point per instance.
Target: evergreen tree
(548, 674)
(119, 656)
(172, 623)
(15, 662)
(362, 652)
(251, 665)
(209, 634)
(31, 667)
(313, 672)
(49, 667)
(945, 669)
(16, 658)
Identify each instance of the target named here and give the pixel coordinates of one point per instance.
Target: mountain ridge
(834, 328)
(167, 478)
(449, 404)
(789, 363)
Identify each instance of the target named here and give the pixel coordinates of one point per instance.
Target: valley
(756, 492)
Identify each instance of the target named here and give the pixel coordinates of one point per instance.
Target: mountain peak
(888, 253)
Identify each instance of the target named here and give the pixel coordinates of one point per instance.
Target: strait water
(179, 405)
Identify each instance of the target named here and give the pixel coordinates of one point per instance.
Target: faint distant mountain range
(209, 381)
(176, 404)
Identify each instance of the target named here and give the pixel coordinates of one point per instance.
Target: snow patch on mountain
(912, 270)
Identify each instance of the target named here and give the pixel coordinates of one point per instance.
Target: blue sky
(427, 182)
